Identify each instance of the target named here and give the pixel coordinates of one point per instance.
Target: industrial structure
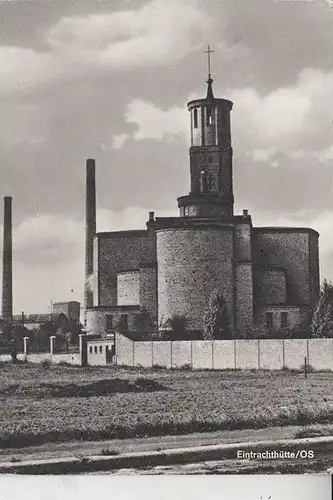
(268, 277)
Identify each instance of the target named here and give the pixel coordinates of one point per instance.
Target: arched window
(209, 115)
(195, 118)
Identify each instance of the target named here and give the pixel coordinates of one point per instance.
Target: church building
(267, 276)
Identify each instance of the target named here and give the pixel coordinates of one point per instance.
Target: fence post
(152, 353)
(83, 348)
(191, 354)
(25, 345)
(52, 344)
(171, 354)
(258, 354)
(283, 355)
(305, 367)
(212, 341)
(133, 352)
(235, 359)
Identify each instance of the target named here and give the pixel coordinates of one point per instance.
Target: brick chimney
(90, 230)
(7, 263)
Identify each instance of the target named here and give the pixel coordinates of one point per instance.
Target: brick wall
(119, 252)
(289, 250)
(128, 288)
(243, 250)
(96, 318)
(148, 291)
(296, 316)
(193, 263)
(244, 296)
(271, 287)
(314, 267)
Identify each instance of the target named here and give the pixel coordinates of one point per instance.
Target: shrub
(216, 318)
(46, 363)
(174, 327)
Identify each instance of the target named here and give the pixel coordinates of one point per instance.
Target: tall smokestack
(7, 272)
(90, 230)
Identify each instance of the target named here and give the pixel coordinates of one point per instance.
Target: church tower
(211, 192)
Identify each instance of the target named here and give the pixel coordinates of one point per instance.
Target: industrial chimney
(7, 272)
(90, 231)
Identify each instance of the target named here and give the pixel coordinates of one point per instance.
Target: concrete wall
(97, 352)
(143, 354)
(128, 288)
(202, 354)
(295, 351)
(193, 263)
(71, 359)
(271, 354)
(227, 354)
(321, 353)
(124, 351)
(246, 354)
(162, 354)
(181, 353)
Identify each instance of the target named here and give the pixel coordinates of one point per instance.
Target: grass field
(40, 405)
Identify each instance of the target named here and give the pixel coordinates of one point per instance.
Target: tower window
(209, 114)
(269, 319)
(284, 319)
(195, 118)
(186, 212)
(109, 322)
(124, 321)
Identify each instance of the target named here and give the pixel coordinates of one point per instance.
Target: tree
(322, 320)
(216, 319)
(175, 327)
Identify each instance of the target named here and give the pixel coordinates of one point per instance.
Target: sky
(110, 80)
(303, 487)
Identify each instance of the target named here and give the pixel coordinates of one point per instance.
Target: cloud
(160, 32)
(293, 121)
(153, 122)
(119, 140)
(21, 69)
(48, 255)
(263, 155)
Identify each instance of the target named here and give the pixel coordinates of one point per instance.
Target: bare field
(40, 405)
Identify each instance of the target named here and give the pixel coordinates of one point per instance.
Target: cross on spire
(208, 52)
(210, 95)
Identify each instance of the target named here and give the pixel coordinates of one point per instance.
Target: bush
(174, 328)
(46, 363)
(216, 318)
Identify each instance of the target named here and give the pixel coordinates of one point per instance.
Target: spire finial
(209, 52)
(210, 80)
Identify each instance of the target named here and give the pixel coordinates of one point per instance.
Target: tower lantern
(211, 192)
